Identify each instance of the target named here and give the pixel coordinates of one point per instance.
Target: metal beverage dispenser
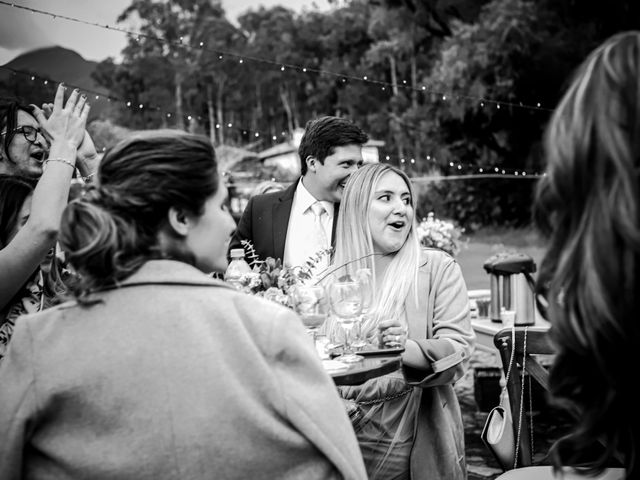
(512, 286)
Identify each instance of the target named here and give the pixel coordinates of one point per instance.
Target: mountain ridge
(55, 64)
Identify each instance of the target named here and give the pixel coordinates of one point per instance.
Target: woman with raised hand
(408, 423)
(30, 212)
(155, 370)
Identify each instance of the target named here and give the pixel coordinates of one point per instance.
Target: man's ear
(311, 163)
(179, 221)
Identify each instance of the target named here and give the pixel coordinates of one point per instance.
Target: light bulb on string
(184, 43)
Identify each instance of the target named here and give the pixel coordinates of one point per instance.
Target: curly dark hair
(588, 207)
(8, 123)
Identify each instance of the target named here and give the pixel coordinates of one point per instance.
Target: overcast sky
(21, 31)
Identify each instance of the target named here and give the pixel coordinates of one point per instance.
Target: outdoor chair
(526, 358)
(532, 356)
(546, 473)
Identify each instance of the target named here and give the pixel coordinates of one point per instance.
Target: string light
(344, 77)
(413, 161)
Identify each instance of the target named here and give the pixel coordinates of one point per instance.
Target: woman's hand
(65, 123)
(391, 334)
(86, 150)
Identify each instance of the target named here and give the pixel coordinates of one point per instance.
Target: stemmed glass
(363, 276)
(346, 303)
(311, 304)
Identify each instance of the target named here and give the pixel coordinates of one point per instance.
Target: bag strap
(505, 392)
(511, 360)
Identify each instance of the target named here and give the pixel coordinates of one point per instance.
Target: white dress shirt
(303, 240)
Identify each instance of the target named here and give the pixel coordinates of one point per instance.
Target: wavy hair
(9, 122)
(109, 232)
(588, 206)
(354, 244)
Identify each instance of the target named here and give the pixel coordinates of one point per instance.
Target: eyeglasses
(30, 132)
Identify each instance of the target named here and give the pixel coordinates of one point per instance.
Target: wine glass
(310, 302)
(346, 303)
(363, 276)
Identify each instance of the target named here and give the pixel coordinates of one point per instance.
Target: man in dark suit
(295, 223)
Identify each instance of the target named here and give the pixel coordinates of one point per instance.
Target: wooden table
(371, 367)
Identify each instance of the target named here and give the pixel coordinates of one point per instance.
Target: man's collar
(305, 199)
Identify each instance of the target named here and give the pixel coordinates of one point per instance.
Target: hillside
(57, 64)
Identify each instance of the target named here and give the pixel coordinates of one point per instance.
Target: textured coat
(173, 376)
(441, 326)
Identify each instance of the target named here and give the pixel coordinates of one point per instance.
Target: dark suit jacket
(265, 220)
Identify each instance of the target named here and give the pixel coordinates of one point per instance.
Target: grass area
(482, 244)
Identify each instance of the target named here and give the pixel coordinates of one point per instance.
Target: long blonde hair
(354, 245)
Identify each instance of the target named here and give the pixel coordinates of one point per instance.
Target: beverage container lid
(509, 263)
(237, 252)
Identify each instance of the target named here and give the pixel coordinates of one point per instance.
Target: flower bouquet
(272, 280)
(442, 234)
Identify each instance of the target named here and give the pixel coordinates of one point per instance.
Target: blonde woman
(408, 423)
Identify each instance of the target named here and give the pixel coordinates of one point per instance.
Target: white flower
(436, 233)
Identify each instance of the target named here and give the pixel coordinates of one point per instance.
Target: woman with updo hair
(154, 369)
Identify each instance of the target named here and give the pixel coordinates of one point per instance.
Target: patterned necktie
(321, 234)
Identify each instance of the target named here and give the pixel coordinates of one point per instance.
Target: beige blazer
(174, 376)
